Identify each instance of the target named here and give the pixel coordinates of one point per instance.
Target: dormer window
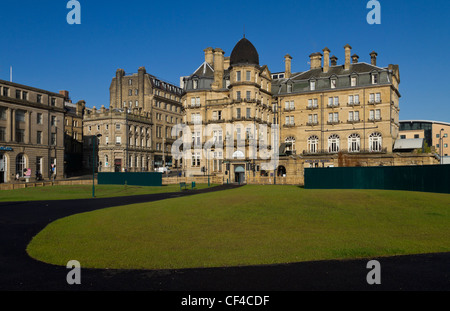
(312, 85)
(194, 84)
(353, 81)
(333, 83)
(289, 88)
(374, 78)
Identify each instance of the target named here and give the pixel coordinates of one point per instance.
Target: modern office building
(435, 133)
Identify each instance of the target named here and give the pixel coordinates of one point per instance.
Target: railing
(312, 107)
(375, 119)
(312, 123)
(352, 104)
(353, 121)
(374, 102)
(345, 151)
(332, 122)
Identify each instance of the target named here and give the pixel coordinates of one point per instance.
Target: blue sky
(168, 38)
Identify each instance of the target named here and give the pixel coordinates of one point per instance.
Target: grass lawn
(248, 226)
(83, 192)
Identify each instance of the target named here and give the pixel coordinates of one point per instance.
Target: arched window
(238, 155)
(21, 165)
(313, 144)
(375, 142)
(290, 144)
(333, 143)
(354, 143)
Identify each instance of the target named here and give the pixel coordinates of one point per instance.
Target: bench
(183, 184)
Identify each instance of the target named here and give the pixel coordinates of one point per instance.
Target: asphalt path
(21, 221)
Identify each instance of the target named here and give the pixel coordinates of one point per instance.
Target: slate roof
(205, 70)
(335, 70)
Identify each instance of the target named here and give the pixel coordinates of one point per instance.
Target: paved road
(20, 221)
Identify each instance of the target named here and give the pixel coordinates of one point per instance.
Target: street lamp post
(94, 142)
(441, 149)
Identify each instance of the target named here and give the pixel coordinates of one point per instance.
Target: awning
(239, 169)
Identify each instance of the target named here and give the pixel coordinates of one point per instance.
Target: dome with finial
(244, 53)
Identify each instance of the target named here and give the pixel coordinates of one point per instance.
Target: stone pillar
(13, 125)
(348, 50)
(8, 125)
(27, 127)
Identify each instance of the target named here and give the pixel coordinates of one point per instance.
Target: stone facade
(228, 104)
(73, 135)
(160, 103)
(329, 115)
(31, 132)
(123, 135)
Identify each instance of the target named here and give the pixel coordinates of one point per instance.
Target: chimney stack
(333, 60)
(373, 58)
(65, 94)
(209, 56)
(80, 106)
(355, 59)
(218, 69)
(348, 50)
(226, 62)
(316, 60)
(287, 66)
(326, 59)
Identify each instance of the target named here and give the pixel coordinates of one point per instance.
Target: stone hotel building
(332, 114)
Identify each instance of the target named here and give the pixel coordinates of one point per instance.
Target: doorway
(239, 174)
(2, 168)
(117, 165)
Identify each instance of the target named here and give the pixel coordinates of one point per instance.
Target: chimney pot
(373, 58)
(348, 50)
(287, 66)
(333, 60)
(355, 58)
(326, 60)
(209, 55)
(316, 60)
